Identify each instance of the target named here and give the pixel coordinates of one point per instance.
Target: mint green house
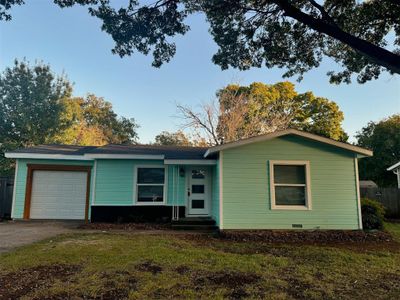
(283, 180)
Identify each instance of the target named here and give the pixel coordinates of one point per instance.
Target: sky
(71, 41)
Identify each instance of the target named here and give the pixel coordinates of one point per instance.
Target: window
(150, 185)
(290, 185)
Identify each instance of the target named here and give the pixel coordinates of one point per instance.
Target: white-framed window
(290, 184)
(150, 183)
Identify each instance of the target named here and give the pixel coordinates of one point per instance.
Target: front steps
(195, 223)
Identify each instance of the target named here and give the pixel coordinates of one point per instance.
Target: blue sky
(70, 40)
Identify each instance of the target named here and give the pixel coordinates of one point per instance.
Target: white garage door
(58, 195)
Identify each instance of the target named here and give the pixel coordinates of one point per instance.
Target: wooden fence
(6, 194)
(389, 197)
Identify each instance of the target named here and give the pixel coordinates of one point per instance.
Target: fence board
(389, 197)
(6, 193)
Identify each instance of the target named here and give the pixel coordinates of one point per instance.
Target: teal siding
(246, 194)
(215, 194)
(115, 182)
(20, 188)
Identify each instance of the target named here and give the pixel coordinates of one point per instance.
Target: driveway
(15, 234)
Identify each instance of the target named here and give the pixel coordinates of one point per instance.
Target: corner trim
(221, 192)
(360, 226)
(14, 189)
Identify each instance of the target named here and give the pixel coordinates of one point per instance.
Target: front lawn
(145, 266)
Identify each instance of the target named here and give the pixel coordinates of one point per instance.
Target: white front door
(199, 191)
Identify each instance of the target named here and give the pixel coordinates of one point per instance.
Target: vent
(297, 225)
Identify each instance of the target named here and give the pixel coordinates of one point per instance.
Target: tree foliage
(36, 108)
(383, 138)
(295, 35)
(245, 111)
(179, 138)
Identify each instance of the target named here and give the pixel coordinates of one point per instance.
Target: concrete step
(194, 221)
(196, 227)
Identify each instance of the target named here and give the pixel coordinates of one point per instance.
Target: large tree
(245, 111)
(383, 138)
(361, 36)
(36, 108)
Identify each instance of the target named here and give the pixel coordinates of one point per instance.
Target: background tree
(173, 138)
(383, 138)
(295, 35)
(29, 106)
(36, 108)
(246, 111)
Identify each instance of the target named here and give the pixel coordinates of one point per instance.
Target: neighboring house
(396, 170)
(283, 180)
(368, 184)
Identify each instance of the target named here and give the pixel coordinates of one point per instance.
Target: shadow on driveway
(18, 233)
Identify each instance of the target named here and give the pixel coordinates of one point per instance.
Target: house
(283, 180)
(396, 170)
(368, 184)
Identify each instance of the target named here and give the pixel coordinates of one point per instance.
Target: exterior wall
(215, 194)
(115, 182)
(246, 190)
(21, 174)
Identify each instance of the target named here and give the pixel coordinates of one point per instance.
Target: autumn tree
(383, 138)
(362, 37)
(245, 111)
(36, 108)
(178, 138)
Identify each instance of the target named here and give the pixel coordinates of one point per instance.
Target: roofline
(276, 134)
(45, 156)
(190, 161)
(122, 156)
(393, 167)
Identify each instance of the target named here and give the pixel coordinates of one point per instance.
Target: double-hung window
(290, 185)
(150, 185)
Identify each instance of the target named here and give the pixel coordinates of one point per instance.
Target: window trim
(272, 185)
(165, 185)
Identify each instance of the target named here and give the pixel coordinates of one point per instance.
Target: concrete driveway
(15, 234)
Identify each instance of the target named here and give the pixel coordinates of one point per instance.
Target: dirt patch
(234, 282)
(261, 240)
(181, 270)
(149, 266)
(126, 226)
(23, 282)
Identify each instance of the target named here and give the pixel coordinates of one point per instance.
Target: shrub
(372, 214)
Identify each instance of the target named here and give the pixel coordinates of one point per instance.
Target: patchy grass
(140, 266)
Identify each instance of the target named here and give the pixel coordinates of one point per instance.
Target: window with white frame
(290, 185)
(150, 185)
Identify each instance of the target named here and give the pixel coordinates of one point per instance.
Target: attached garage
(57, 192)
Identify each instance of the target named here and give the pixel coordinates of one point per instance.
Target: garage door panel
(58, 195)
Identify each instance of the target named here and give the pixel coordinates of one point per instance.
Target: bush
(372, 214)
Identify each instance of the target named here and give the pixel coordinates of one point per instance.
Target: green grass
(111, 265)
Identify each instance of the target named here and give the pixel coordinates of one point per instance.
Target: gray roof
(169, 152)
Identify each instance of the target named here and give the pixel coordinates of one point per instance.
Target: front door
(199, 191)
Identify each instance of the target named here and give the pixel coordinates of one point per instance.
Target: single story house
(282, 180)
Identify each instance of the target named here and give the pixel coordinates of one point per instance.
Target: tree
(36, 108)
(173, 138)
(246, 111)
(29, 106)
(295, 35)
(384, 139)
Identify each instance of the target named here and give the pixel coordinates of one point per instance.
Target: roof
(269, 136)
(110, 151)
(395, 166)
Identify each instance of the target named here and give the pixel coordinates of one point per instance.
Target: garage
(57, 192)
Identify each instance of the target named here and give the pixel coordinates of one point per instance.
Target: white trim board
(360, 226)
(14, 189)
(123, 156)
(45, 156)
(276, 134)
(190, 162)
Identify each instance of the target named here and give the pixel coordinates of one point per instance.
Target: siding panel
(246, 198)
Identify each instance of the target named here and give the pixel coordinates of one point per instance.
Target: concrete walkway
(14, 234)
